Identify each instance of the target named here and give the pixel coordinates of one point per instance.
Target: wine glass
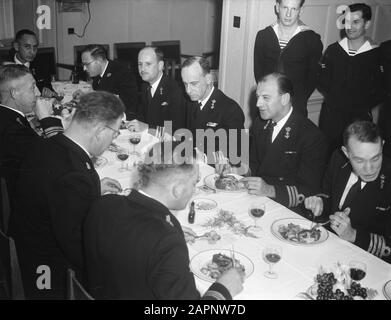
(357, 270)
(135, 138)
(272, 254)
(256, 210)
(122, 155)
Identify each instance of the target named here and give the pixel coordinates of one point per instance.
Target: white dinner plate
(304, 224)
(387, 290)
(211, 179)
(202, 258)
(204, 204)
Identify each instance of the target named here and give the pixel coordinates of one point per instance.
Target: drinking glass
(123, 155)
(135, 138)
(256, 210)
(272, 254)
(357, 270)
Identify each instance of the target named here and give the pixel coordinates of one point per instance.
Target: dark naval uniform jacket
(167, 104)
(219, 112)
(16, 135)
(56, 188)
(120, 80)
(294, 163)
(370, 211)
(135, 249)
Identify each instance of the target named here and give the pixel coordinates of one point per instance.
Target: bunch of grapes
(357, 290)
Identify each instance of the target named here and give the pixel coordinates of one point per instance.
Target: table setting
(283, 256)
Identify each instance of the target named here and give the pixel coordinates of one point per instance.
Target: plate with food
(387, 290)
(204, 204)
(99, 161)
(229, 182)
(298, 231)
(208, 265)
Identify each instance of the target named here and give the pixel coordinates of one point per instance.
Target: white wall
(190, 21)
(237, 45)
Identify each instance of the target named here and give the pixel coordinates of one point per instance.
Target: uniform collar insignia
(19, 121)
(382, 181)
(108, 75)
(287, 132)
(168, 219)
(88, 166)
(213, 104)
(161, 90)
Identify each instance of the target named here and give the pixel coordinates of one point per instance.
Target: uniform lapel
(340, 185)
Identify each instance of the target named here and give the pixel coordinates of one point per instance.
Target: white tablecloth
(299, 264)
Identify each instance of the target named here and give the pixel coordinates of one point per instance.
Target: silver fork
(159, 133)
(320, 224)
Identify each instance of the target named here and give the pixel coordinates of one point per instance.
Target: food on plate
(228, 183)
(204, 205)
(219, 264)
(295, 233)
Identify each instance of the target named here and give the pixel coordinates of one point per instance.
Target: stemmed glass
(357, 270)
(256, 210)
(122, 155)
(135, 138)
(272, 254)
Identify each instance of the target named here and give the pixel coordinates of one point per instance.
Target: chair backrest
(75, 289)
(172, 57)
(10, 278)
(128, 52)
(5, 206)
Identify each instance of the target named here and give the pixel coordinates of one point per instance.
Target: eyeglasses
(116, 132)
(87, 64)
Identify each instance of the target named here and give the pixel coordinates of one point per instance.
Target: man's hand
(108, 185)
(233, 280)
(340, 223)
(67, 116)
(43, 107)
(189, 234)
(315, 204)
(223, 169)
(258, 186)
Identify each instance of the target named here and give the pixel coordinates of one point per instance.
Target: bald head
(150, 64)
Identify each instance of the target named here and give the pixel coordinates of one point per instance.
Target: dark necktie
(354, 190)
(149, 94)
(269, 134)
(197, 109)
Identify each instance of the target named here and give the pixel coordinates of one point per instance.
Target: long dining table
(230, 219)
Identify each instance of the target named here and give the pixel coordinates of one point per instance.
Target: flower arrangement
(227, 219)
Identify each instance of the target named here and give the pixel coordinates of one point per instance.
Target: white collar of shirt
(104, 69)
(21, 113)
(17, 61)
(299, 29)
(204, 101)
(155, 85)
(144, 193)
(280, 124)
(85, 150)
(367, 46)
(351, 181)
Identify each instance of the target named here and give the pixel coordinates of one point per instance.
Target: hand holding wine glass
(272, 254)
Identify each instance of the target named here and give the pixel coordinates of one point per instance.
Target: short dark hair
(96, 51)
(301, 2)
(99, 107)
(364, 8)
(22, 32)
(283, 82)
(159, 53)
(11, 72)
(167, 159)
(363, 131)
(205, 66)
